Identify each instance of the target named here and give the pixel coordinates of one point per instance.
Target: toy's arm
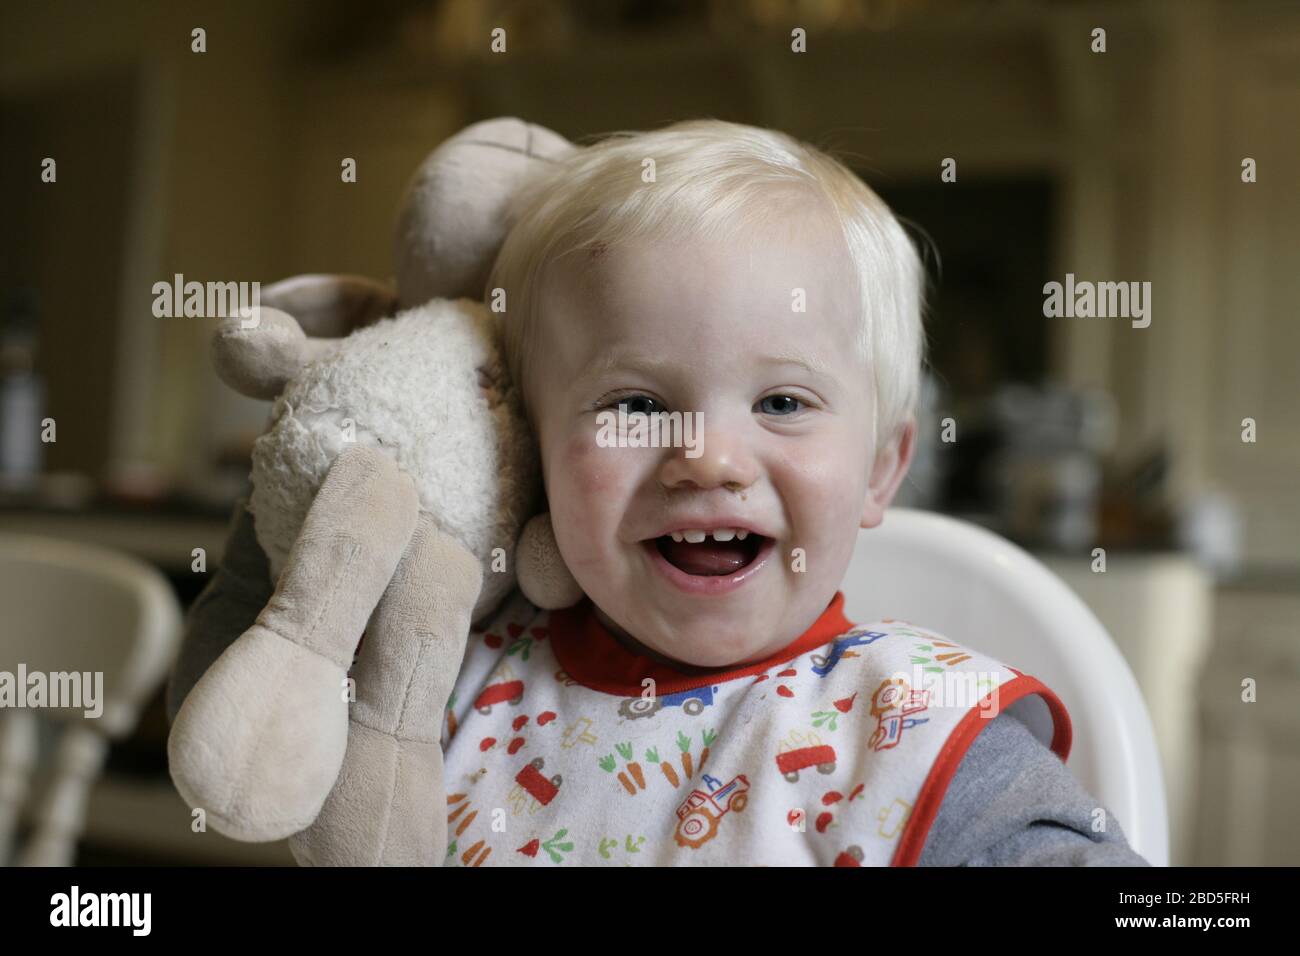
(389, 804)
(258, 742)
(227, 607)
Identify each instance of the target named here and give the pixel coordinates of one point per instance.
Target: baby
(708, 703)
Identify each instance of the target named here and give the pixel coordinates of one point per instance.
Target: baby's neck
(636, 647)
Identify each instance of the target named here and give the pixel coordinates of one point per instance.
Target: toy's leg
(259, 740)
(389, 805)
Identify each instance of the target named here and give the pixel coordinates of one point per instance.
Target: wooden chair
(68, 607)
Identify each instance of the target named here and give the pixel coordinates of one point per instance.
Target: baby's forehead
(791, 271)
(701, 313)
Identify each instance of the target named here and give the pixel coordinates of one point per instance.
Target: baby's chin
(752, 623)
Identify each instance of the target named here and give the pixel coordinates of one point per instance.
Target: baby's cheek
(812, 477)
(823, 490)
(581, 485)
(588, 463)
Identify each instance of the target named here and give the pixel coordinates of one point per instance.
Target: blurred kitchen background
(1071, 433)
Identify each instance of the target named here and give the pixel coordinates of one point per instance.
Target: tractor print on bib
(892, 705)
(699, 815)
(692, 702)
(842, 647)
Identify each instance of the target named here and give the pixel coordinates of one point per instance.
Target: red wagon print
(850, 857)
(792, 761)
(537, 786)
(511, 691)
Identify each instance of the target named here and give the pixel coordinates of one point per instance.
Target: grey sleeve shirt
(1012, 802)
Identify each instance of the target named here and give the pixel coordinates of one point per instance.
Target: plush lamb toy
(396, 475)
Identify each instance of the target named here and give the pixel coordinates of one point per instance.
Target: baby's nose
(718, 462)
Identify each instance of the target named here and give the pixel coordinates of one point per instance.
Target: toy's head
(427, 388)
(429, 385)
(452, 222)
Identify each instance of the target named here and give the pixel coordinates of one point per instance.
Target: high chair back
(72, 609)
(980, 590)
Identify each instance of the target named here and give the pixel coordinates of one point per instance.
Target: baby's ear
(887, 473)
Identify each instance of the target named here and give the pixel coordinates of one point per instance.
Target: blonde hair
(714, 179)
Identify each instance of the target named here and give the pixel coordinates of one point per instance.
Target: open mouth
(710, 553)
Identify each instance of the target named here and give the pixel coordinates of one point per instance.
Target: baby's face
(784, 403)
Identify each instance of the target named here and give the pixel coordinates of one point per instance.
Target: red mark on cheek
(590, 474)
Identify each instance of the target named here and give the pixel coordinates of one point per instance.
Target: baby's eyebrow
(810, 365)
(623, 360)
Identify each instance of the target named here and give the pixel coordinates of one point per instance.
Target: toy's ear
(331, 306)
(543, 576)
(259, 353)
(456, 211)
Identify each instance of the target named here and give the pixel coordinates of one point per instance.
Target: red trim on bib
(594, 657)
(910, 844)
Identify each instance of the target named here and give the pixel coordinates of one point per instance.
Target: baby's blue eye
(638, 405)
(780, 405)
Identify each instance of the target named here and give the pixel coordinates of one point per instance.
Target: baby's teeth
(677, 536)
(742, 535)
(723, 534)
(694, 537)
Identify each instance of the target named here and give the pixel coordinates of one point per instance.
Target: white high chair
(72, 607)
(981, 590)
